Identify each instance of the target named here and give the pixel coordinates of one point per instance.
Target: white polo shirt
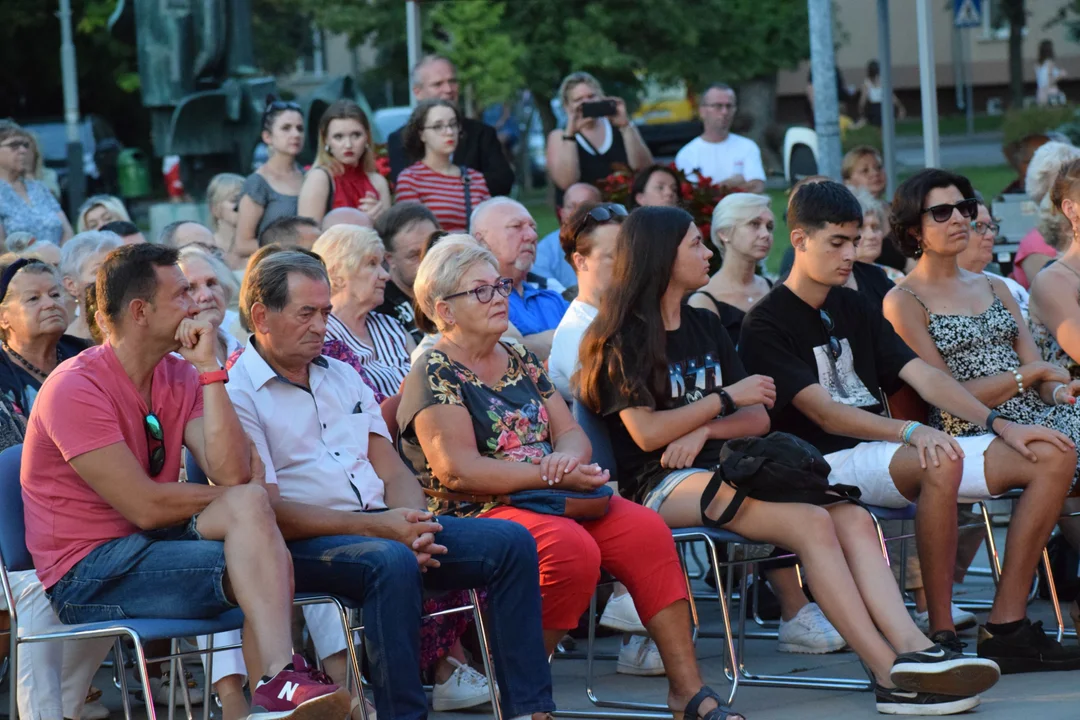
(314, 442)
(735, 155)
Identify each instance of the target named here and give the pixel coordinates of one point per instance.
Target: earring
(327, 149)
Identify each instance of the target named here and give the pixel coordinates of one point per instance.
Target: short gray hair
(414, 76)
(74, 253)
(345, 247)
(225, 277)
(268, 281)
(442, 268)
(734, 210)
(480, 212)
(873, 206)
(1045, 165)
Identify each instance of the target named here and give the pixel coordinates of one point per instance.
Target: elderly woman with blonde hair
(99, 211)
(354, 258)
(1035, 249)
(742, 232)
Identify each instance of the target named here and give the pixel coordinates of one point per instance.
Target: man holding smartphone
(730, 160)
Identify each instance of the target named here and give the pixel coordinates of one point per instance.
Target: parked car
(100, 151)
(389, 119)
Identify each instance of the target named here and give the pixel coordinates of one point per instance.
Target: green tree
(471, 34)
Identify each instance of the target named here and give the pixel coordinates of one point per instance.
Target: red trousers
(631, 542)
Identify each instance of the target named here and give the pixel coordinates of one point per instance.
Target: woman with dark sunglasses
(26, 204)
(965, 323)
(272, 191)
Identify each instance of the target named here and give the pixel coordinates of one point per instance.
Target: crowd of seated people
(391, 388)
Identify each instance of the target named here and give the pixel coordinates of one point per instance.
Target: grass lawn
(987, 180)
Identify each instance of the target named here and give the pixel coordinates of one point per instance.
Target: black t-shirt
(873, 283)
(20, 387)
(785, 338)
(398, 305)
(701, 359)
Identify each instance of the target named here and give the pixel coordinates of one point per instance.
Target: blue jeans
(169, 573)
(383, 577)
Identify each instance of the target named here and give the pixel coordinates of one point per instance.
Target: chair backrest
(389, 412)
(12, 524)
(596, 430)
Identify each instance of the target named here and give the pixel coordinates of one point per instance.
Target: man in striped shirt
(536, 305)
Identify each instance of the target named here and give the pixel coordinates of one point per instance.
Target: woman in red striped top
(449, 191)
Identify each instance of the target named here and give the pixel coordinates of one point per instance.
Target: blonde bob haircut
(734, 210)
(574, 79)
(1045, 165)
(344, 248)
(222, 187)
(111, 203)
(343, 110)
(442, 269)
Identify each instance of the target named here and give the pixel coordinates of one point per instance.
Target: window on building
(995, 23)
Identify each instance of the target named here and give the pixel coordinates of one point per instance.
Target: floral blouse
(509, 419)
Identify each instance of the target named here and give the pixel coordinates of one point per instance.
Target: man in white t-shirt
(728, 159)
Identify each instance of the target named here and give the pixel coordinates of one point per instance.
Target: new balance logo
(287, 691)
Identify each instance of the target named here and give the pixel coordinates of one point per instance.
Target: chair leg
(13, 668)
(208, 676)
(991, 544)
(1052, 588)
(485, 652)
(729, 636)
(172, 681)
(144, 674)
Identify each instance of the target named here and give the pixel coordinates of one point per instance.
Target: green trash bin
(133, 173)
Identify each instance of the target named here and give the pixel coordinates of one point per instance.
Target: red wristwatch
(208, 378)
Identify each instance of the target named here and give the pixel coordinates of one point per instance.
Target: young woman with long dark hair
(667, 379)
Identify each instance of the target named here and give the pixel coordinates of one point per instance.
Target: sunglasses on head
(485, 293)
(835, 348)
(280, 105)
(941, 213)
(601, 214)
(155, 441)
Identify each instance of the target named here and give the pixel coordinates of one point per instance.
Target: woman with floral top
(480, 418)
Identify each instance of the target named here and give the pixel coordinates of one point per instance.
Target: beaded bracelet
(1019, 380)
(908, 431)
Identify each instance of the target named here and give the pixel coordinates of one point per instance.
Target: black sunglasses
(835, 348)
(155, 441)
(600, 214)
(941, 213)
(280, 105)
(485, 293)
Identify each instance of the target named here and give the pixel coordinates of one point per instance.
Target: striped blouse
(387, 363)
(441, 194)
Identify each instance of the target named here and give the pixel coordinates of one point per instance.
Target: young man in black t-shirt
(834, 358)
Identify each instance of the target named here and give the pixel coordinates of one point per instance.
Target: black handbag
(776, 468)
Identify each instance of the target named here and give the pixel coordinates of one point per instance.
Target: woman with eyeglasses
(968, 324)
(672, 390)
(450, 191)
(979, 253)
(26, 204)
(344, 173)
(32, 324)
(272, 191)
(480, 418)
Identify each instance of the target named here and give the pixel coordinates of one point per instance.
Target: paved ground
(978, 150)
(1047, 696)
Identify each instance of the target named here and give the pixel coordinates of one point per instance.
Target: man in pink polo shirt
(113, 533)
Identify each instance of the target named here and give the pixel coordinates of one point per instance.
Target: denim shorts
(168, 573)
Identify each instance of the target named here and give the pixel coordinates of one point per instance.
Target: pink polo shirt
(87, 403)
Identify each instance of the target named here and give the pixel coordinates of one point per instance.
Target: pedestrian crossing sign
(967, 13)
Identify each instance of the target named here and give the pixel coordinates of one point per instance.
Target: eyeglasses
(719, 106)
(440, 128)
(280, 105)
(600, 214)
(17, 145)
(485, 293)
(835, 348)
(155, 441)
(941, 213)
(982, 228)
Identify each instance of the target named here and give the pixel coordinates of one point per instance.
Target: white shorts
(866, 466)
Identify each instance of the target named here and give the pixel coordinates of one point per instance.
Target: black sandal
(720, 712)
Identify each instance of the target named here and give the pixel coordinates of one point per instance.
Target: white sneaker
(809, 632)
(640, 656)
(962, 619)
(620, 614)
(466, 688)
(94, 711)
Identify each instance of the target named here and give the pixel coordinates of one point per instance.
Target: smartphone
(599, 108)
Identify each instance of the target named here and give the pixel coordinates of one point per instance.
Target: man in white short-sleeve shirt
(353, 514)
(728, 159)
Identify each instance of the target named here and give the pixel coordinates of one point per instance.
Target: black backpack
(776, 468)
